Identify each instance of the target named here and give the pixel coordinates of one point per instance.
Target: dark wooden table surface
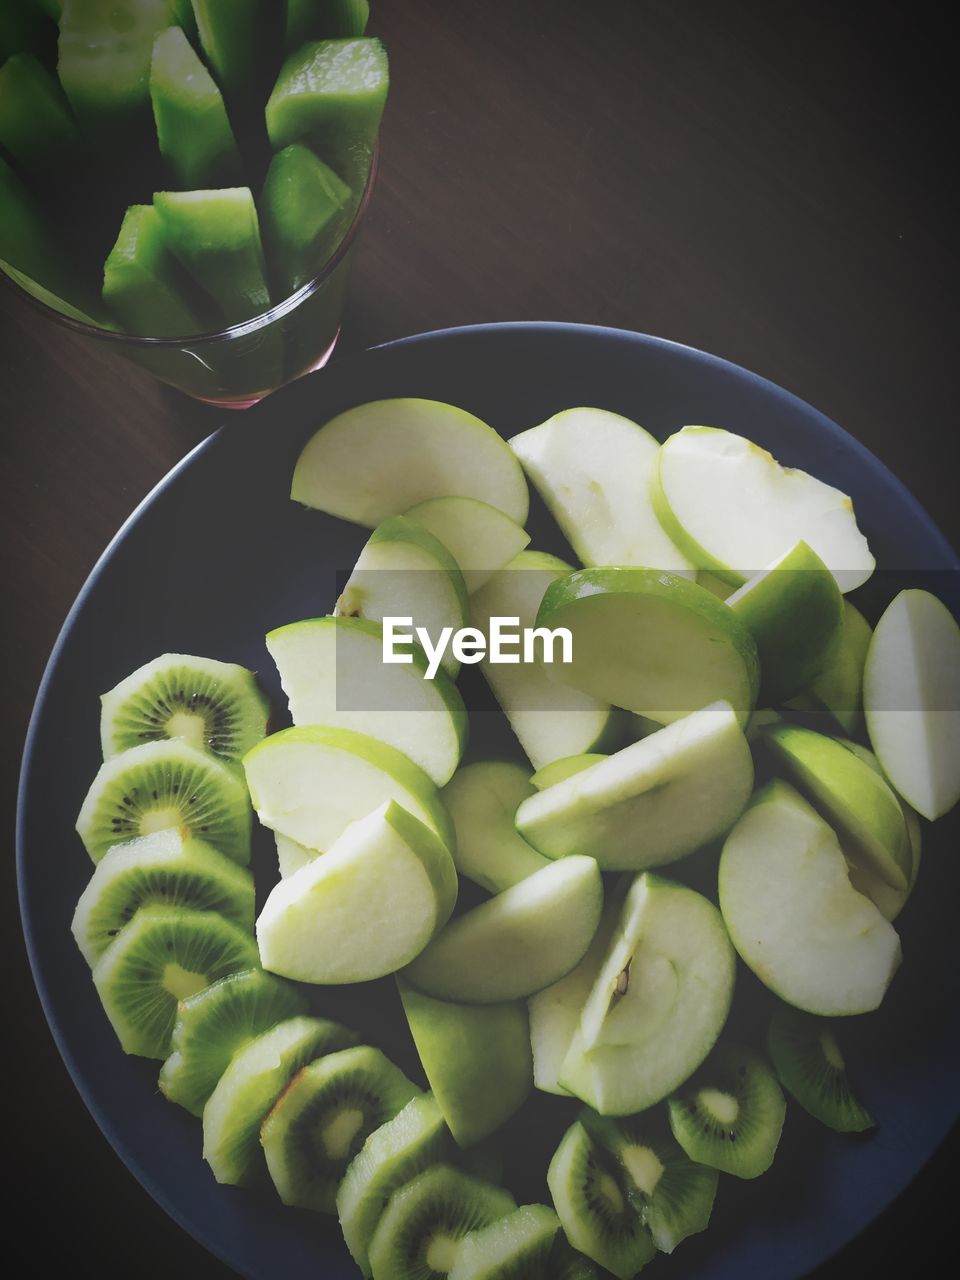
(766, 182)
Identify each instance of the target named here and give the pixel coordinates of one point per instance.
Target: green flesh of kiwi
(166, 868)
(212, 1025)
(213, 706)
(164, 785)
(672, 1194)
(518, 1246)
(591, 1194)
(162, 956)
(322, 1119)
(810, 1066)
(391, 1157)
(419, 1235)
(729, 1115)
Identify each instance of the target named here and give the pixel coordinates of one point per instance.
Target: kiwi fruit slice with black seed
(810, 1066)
(673, 1195)
(212, 1025)
(164, 785)
(168, 867)
(213, 706)
(591, 1194)
(416, 1138)
(258, 1073)
(163, 955)
(419, 1235)
(322, 1118)
(729, 1114)
(518, 1246)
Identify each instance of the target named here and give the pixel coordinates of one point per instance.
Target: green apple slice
(838, 690)
(476, 1058)
(658, 1003)
(793, 914)
(550, 721)
(388, 870)
(850, 794)
(794, 611)
(651, 803)
(567, 767)
(652, 643)
(592, 469)
(479, 537)
(732, 508)
(333, 673)
(405, 572)
(517, 943)
(911, 701)
(482, 800)
(312, 781)
(380, 459)
(291, 856)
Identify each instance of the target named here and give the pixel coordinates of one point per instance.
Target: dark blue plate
(217, 555)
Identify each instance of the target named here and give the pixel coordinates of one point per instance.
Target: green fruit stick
(324, 20)
(216, 236)
(194, 133)
(26, 28)
(241, 39)
(303, 212)
(36, 126)
(330, 95)
(28, 242)
(139, 280)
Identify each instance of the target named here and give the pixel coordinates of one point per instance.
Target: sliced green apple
(732, 508)
(517, 943)
(479, 537)
(854, 797)
(838, 690)
(592, 468)
(911, 701)
(560, 770)
(291, 856)
(652, 643)
(550, 721)
(333, 673)
(482, 800)
(793, 914)
(380, 459)
(651, 803)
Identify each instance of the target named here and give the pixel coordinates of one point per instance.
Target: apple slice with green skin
(476, 1058)
(651, 803)
(311, 782)
(405, 572)
(482, 800)
(386, 869)
(794, 611)
(716, 586)
(658, 1003)
(550, 721)
(911, 701)
(732, 508)
(793, 914)
(592, 468)
(519, 942)
(333, 673)
(380, 459)
(850, 794)
(652, 643)
(479, 537)
(291, 856)
(560, 770)
(838, 690)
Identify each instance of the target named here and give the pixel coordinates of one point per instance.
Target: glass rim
(240, 330)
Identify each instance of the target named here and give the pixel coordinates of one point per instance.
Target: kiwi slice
(168, 867)
(418, 1237)
(729, 1114)
(163, 955)
(810, 1066)
(672, 1194)
(258, 1073)
(567, 1264)
(162, 785)
(518, 1246)
(391, 1157)
(322, 1118)
(212, 1025)
(591, 1193)
(213, 706)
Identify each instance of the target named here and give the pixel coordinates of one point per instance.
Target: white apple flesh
(482, 800)
(479, 537)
